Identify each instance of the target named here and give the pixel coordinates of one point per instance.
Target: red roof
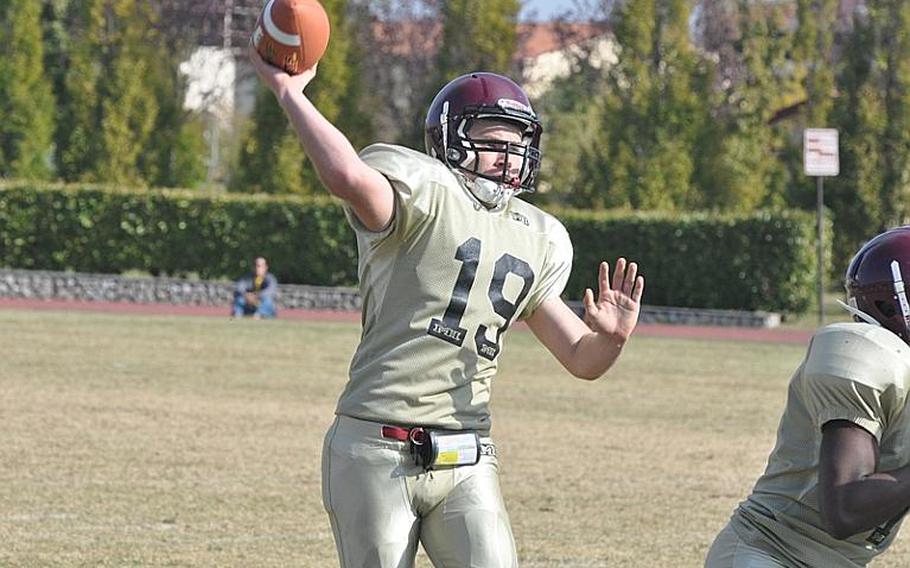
(533, 39)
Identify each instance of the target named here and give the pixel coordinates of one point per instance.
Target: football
(292, 34)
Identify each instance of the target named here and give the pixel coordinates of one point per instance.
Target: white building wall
(211, 76)
(542, 71)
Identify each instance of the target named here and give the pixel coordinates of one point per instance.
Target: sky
(545, 9)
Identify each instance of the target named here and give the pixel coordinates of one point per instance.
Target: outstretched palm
(616, 310)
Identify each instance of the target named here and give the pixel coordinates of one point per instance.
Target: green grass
(165, 441)
(833, 312)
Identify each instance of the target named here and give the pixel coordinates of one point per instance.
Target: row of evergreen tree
(688, 117)
(360, 84)
(90, 91)
(714, 119)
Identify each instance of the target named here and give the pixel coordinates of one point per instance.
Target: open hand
(616, 310)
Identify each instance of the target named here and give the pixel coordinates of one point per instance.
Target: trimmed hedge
(761, 261)
(764, 261)
(173, 232)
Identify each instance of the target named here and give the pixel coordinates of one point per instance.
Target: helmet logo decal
(444, 121)
(900, 291)
(512, 104)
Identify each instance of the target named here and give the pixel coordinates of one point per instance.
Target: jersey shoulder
(859, 352)
(406, 166)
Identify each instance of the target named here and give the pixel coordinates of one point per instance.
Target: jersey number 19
(449, 327)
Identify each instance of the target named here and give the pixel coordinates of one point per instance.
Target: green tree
(271, 159)
(56, 32)
(853, 196)
(78, 148)
(813, 50)
(739, 169)
(129, 109)
(120, 96)
(895, 37)
(176, 150)
(108, 113)
(26, 100)
(655, 108)
(873, 117)
(568, 117)
(477, 35)
(395, 64)
(813, 64)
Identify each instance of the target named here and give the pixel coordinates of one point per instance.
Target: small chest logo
(520, 218)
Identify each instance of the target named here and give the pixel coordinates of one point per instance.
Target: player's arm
(587, 348)
(341, 170)
(854, 497)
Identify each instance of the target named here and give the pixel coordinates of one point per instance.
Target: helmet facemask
(468, 156)
(883, 303)
(875, 282)
(451, 137)
(492, 169)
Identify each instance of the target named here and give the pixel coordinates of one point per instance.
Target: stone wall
(42, 285)
(695, 316)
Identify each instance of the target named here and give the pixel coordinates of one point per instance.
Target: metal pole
(821, 249)
(227, 30)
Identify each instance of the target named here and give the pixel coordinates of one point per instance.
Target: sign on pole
(820, 159)
(820, 156)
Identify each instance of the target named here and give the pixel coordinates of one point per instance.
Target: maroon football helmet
(478, 96)
(876, 278)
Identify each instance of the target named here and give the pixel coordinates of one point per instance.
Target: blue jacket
(246, 284)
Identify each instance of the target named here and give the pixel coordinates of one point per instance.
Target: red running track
(763, 335)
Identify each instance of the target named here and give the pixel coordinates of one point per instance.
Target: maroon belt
(418, 435)
(404, 434)
(396, 433)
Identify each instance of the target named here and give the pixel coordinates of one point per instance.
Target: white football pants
(729, 551)
(380, 504)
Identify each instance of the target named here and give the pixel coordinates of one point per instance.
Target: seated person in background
(254, 294)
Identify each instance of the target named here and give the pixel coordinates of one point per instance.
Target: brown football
(292, 34)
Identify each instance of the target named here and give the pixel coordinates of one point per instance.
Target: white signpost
(820, 159)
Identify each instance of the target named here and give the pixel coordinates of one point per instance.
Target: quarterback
(449, 260)
(837, 484)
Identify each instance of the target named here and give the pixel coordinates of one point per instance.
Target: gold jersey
(440, 287)
(852, 371)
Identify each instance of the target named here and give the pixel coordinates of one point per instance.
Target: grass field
(168, 441)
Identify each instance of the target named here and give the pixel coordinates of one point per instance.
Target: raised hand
(277, 79)
(617, 307)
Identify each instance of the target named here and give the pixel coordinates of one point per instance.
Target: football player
(449, 260)
(837, 483)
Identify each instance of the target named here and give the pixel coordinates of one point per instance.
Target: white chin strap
(899, 291)
(858, 313)
(493, 195)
